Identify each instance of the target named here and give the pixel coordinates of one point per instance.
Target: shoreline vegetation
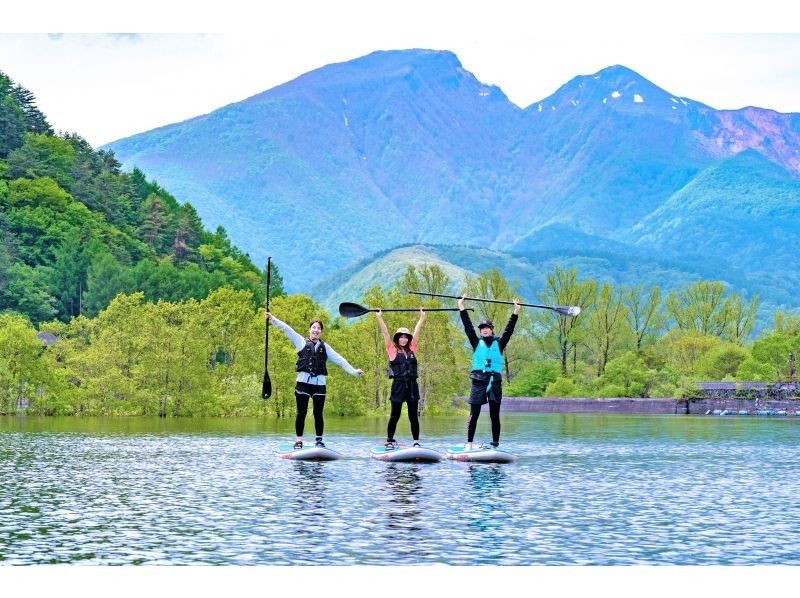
(115, 300)
(205, 358)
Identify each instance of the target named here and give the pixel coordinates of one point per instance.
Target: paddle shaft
(266, 386)
(483, 300)
(425, 309)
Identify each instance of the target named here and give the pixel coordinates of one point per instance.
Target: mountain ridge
(407, 146)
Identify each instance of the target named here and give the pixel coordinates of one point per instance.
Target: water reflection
(403, 485)
(488, 481)
(311, 483)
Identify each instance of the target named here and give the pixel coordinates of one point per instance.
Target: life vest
(487, 358)
(312, 361)
(403, 366)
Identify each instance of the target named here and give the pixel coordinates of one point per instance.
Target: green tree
(645, 314)
(156, 220)
(741, 319)
(723, 361)
(625, 376)
(43, 156)
(24, 370)
(607, 329)
(706, 308)
(564, 288)
(105, 279)
(561, 387)
(534, 380)
(12, 118)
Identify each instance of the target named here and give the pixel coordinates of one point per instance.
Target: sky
(188, 59)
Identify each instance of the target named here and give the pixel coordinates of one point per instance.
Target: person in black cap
(402, 349)
(487, 370)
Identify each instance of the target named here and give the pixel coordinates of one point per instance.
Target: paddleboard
(417, 454)
(480, 455)
(307, 453)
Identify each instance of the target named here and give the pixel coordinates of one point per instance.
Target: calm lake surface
(588, 489)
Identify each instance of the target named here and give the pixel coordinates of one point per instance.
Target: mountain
(408, 147)
(313, 170)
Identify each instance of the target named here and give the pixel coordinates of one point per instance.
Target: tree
(43, 156)
(35, 121)
(741, 319)
(644, 313)
(564, 288)
(685, 350)
(24, 371)
(625, 376)
(12, 119)
(106, 278)
(699, 308)
(723, 361)
(155, 221)
(607, 327)
(534, 380)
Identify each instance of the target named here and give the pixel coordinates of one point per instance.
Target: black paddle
(353, 310)
(569, 311)
(266, 385)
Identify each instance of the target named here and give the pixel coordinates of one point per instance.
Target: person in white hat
(402, 349)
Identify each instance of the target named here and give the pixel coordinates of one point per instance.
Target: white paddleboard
(417, 454)
(307, 453)
(480, 455)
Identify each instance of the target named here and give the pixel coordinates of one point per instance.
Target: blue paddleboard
(418, 454)
(480, 455)
(308, 453)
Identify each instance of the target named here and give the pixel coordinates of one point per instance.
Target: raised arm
(509, 329)
(385, 331)
(298, 341)
(467, 322)
(418, 327)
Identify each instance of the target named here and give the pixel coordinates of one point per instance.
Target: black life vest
(403, 366)
(312, 361)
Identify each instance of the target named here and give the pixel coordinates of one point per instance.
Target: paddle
(266, 385)
(353, 310)
(569, 311)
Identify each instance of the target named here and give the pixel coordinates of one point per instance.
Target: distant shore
(665, 405)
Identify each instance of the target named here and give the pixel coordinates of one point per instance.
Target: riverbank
(654, 406)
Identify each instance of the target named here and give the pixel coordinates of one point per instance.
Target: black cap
(486, 324)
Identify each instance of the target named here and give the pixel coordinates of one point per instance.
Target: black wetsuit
(478, 395)
(403, 370)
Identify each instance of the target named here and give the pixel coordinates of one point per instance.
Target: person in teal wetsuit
(487, 370)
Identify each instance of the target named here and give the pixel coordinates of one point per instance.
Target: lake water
(588, 489)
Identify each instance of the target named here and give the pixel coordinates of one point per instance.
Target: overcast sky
(105, 87)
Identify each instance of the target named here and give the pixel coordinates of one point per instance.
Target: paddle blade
(352, 310)
(266, 387)
(570, 312)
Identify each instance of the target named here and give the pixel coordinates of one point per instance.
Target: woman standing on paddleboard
(312, 357)
(487, 370)
(402, 349)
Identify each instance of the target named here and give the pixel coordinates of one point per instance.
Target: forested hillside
(75, 230)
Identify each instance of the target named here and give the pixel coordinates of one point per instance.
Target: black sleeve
(512, 321)
(468, 328)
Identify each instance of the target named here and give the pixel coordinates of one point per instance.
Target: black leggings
(413, 418)
(301, 395)
(474, 414)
